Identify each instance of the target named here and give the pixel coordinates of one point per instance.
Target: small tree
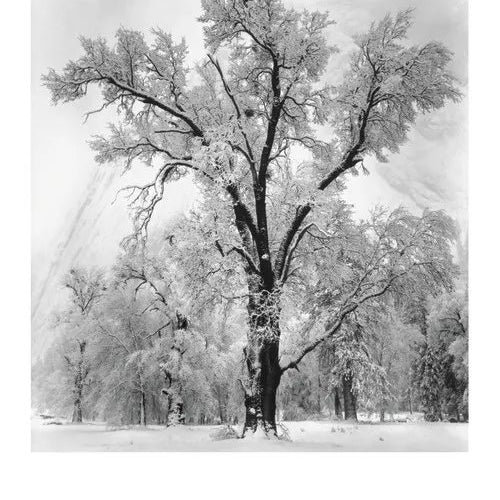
(123, 356)
(87, 287)
(392, 344)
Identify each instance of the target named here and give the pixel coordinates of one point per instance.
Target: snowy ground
(305, 436)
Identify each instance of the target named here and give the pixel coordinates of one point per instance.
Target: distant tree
(429, 380)
(52, 384)
(305, 394)
(392, 347)
(234, 130)
(86, 287)
(441, 371)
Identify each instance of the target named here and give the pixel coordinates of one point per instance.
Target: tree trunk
(142, 411)
(77, 411)
(177, 416)
(318, 400)
(263, 368)
(173, 393)
(222, 411)
(338, 404)
(175, 403)
(79, 379)
(382, 414)
(155, 414)
(350, 412)
(260, 396)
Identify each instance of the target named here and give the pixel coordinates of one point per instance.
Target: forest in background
(158, 339)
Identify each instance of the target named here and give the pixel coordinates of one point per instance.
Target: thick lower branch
(315, 343)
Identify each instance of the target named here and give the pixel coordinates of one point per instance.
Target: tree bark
(142, 411)
(77, 411)
(175, 405)
(263, 368)
(222, 411)
(79, 379)
(318, 396)
(337, 403)
(260, 396)
(173, 391)
(382, 414)
(350, 411)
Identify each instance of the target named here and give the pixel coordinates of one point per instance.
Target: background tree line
(157, 340)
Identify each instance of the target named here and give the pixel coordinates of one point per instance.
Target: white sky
(73, 221)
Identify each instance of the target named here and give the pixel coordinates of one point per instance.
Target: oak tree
(234, 123)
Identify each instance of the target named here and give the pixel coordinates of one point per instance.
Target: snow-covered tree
(234, 127)
(392, 346)
(86, 287)
(441, 371)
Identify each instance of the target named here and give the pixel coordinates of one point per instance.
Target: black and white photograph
(250, 249)
(249, 226)
(244, 244)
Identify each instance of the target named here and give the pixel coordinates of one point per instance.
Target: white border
(308, 475)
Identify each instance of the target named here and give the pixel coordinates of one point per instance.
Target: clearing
(305, 436)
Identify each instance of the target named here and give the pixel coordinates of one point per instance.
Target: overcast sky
(73, 221)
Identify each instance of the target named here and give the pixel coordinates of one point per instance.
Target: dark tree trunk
(222, 412)
(178, 412)
(80, 375)
(263, 368)
(318, 401)
(337, 403)
(350, 411)
(260, 396)
(77, 411)
(466, 415)
(167, 413)
(142, 410)
(382, 414)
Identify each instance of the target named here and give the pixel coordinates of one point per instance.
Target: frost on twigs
(283, 432)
